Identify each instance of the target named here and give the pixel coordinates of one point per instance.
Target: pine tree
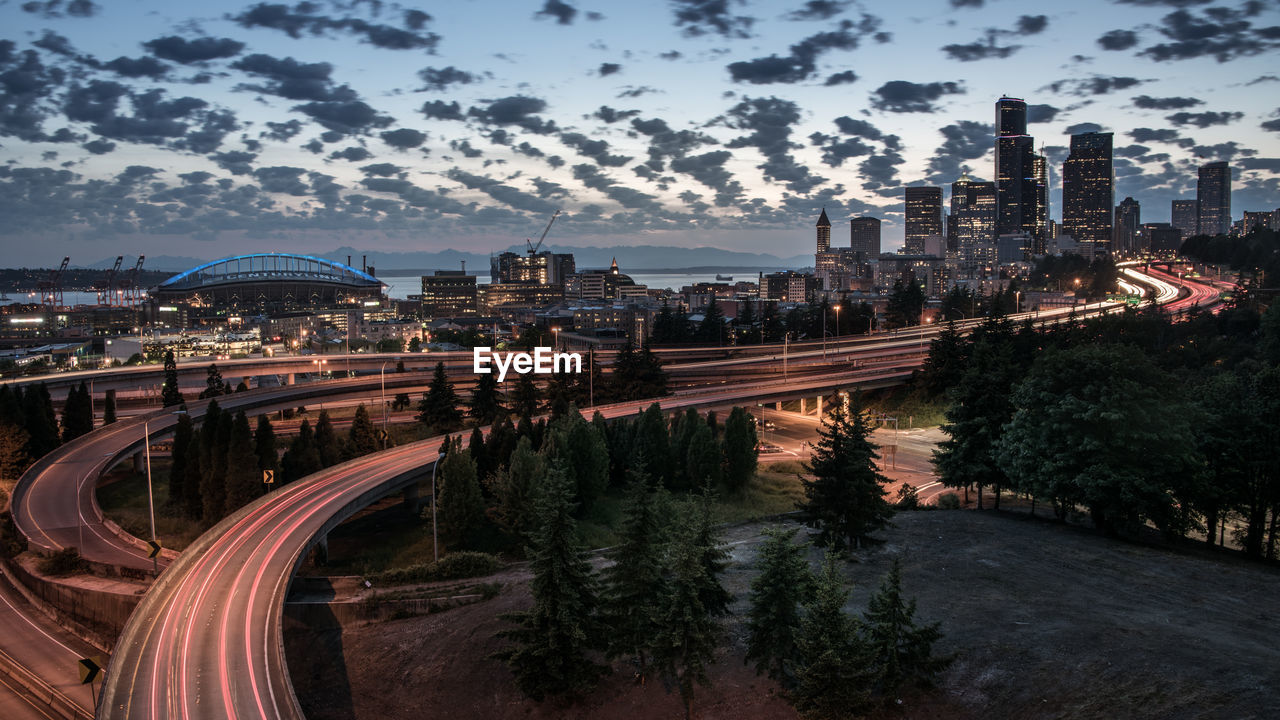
(109, 407)
(183, 436)
(213, 384)
(702, 461)
(192, 480)
(635, 586)
(362, 437)
(779, 589)
(303, 457)
(526, 400)
(652, 446)
(711, 553)
(461, 505)
(244, 479)
(77, 417)
(208, 437)
(690, 634)
(213, 489)
(327, 443)
(553, 639)
(479, 452)
(515, 488)
(846, 497)
(264, 446)
(981, 405)
(486, 400)
(14, 459)
(711, 331)
(584, 455)
(169, 393)
(834, 674)
(902, 652)
(439, 407)
(40, 421)
(740, 453)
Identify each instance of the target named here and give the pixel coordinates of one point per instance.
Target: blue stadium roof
(267, 267)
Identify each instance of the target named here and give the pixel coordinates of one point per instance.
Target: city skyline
(306, 127)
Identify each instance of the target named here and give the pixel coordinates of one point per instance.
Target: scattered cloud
(1147, 102)
(305, 17)
(181, 50)
(902, 96)
(819, 10)
(439, 79)
(562, 12)
(1096, 85)
(1219, 32)
(702, 17)
(1204, 119)
(1118, 40)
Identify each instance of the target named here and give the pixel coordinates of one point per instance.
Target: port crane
(51, 289)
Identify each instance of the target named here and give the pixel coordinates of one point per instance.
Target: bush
(948, 501)
(453, 566)
(64, 562)
(12, 544)
(907, 498)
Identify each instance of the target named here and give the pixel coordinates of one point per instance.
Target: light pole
(824, 333)
(151, 499)
(1017, 301)
(435, 540)
(320, 367)
(837, 321)
(555, 333)
(785, 337)
(591, 376)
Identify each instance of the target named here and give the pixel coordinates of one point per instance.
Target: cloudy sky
(210, 128)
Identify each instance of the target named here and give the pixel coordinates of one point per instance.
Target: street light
(382, 376)
(320, 367)
(151, 499)
(555, 333)
(435, 539)
(837, 321)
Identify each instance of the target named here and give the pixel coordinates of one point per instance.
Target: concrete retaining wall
(41, 693)
(97, 615)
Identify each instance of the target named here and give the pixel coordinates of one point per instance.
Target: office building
(1088, 192)
(1213, 199)
(1124, 232)
(973, 219)
(824, 232)
(924, 217)
(864, 236)
(1159, 238)
(544, 268)
(449, 293)
(1021, 175)
(1183, 217)
(1256, 221)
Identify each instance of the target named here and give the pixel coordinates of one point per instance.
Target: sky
(215, 128)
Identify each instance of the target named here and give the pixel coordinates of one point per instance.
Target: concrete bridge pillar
(778, 406)
(412, 503)
(818, 410)
(138, 465)
(802, 412)
(288, 379)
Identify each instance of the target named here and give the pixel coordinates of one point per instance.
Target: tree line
(1257, 252)
(30, 427)
(1132, 417)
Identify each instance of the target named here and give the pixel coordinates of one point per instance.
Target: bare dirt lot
(1045, 621)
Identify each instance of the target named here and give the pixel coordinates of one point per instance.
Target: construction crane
(106, 286)
(533, 249)
(132, 292)
(51, 289)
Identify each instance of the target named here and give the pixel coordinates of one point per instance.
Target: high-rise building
(973, 216)
(1213, 199)
(824, 232)
(449, 293)
(1088, 191)
(1256, 220)
(1183, 217)
(864, 236)
(1021, 177)
(1124, 233)
(924, 217)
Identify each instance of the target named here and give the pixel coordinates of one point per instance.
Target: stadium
(266, 280)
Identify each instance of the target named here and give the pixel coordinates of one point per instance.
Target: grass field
(124, 500)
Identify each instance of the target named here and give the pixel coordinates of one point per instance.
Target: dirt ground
(1045, 621)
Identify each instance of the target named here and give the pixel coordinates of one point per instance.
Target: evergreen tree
(208, 438)
(461, 505)
(711, 554)
(213, 384)
(14, 459)
(526, 400)
(553, 638)
(401, 402)
(740, 453)
(702, 460)
(109, 407)
(244, 479)
(945, 366)
(689, 632)
(327, 443)
(583, 454)
(303, 457)
(264, 447)
(439, 407)
(213, 489)
(183, 436)
(652, 446)
(486, 400)
(169, 393)
(711, 331)
(981, 405)
(193, 479)
(77, 414)
(635, 586)
(515, 488)
(901, 652)
(779, 589)
(362, 437)
(479, 451)
(40, 421)
(834, 674)
(846, 497)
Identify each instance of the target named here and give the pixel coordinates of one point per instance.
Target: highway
(205, 642)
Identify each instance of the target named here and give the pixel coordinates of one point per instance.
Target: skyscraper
(864, 236)
(1213, 199)
(1088, 191)
(1124, 234)
(924, 217)
(824, 232)
(1021, 177)
(1184, 217)
(973, 214)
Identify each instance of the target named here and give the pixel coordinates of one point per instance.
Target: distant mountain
(630, 258)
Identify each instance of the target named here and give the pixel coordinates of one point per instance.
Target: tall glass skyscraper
(924, 217)
(1088, 190)
(1124, 238)
(864, 236)
(1213, 199)
(973, 215)
(1021, 207)
(1183, 217)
